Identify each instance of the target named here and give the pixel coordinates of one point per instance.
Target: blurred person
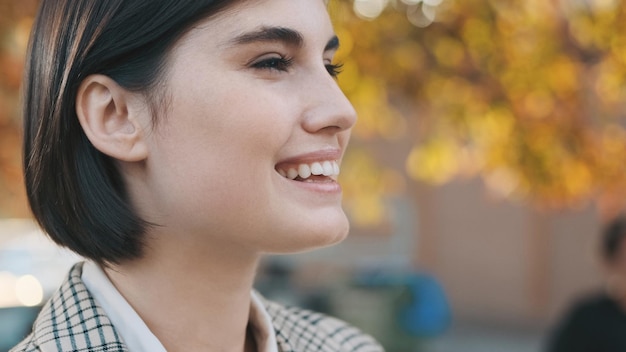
(171, 143)
(597, 323)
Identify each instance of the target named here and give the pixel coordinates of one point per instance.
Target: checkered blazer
(72, 321)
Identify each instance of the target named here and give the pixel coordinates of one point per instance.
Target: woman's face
(252, 103)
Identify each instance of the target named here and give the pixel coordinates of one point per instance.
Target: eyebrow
(279, 34)
(333, 44)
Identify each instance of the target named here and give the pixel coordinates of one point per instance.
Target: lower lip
(329, 187)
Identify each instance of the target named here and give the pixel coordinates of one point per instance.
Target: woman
(172, 143)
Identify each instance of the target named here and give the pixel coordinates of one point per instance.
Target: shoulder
(589, 306)
(305, 330)
(582, 313)
(580, 328)
(71, 320)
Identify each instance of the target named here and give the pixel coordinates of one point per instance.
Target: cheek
(219, 152)
(220, 144)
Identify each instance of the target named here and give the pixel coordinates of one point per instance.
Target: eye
(334, 69)
(277, 63)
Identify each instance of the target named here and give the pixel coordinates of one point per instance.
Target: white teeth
(317, 169)
(328, 168)
(304, 171)
(292, 174)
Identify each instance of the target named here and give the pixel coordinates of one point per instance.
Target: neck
(191, 297)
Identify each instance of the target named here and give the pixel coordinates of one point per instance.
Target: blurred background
(489, 153)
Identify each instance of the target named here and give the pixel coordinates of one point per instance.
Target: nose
(328, 110)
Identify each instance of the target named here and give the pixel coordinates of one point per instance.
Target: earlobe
(110, 118)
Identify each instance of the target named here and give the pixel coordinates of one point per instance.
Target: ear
(111, 118)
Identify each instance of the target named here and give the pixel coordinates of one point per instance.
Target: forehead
(308, 17)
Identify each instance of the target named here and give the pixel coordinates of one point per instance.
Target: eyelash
(274, 63)
(334, 69)
(283, 64)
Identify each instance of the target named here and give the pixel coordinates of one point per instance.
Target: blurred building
(503, 262)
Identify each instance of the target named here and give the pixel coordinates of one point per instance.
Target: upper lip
(306, 158)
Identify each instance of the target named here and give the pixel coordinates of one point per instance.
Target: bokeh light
(29, 291)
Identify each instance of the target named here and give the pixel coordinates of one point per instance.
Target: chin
(320, 234)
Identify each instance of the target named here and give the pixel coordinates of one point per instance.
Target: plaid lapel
(72, 321)
(300, 330)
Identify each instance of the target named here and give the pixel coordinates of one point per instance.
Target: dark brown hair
(75, 192)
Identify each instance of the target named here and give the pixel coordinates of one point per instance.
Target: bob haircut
(75, 192)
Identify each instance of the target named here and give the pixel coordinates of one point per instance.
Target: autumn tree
(15, 23)
(527, 95)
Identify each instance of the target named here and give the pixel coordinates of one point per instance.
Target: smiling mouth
(319, 171)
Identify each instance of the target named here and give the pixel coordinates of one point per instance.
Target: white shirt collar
(136, 334)
(261, 321)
